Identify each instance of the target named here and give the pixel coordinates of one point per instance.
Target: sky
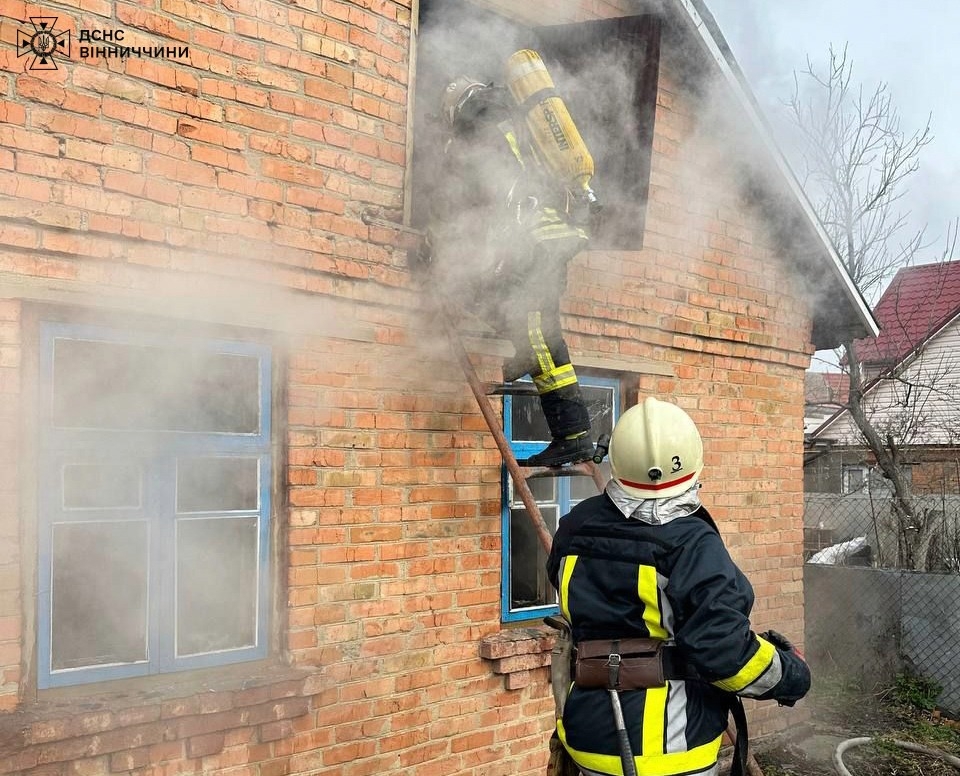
(910, 46)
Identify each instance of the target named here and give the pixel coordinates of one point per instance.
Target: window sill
(517, 653)
(139, 713)
(117, 692)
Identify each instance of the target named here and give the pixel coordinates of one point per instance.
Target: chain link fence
(882, 589)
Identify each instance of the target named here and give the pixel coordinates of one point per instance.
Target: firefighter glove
(778, 640)
(795, 681)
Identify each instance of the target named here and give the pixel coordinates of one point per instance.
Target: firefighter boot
(567, 418)
(564, 451)
(516, 367)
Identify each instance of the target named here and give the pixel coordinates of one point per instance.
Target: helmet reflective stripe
(655, 450)
(660, 486)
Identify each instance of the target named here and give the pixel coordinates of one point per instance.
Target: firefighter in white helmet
(499, 239)
(644, 560)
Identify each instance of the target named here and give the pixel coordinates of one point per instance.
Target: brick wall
(935, 471)
(219, 731)
(251, 158)
(142, 179)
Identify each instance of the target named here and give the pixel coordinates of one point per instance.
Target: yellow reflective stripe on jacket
(549, 215)
(511, 139)
(653, 734)
(697, 759)
(557, 232)
(752, 671)
(550, 226)
(654, 721)
(650, 595)
(566, 571)
(556, 378)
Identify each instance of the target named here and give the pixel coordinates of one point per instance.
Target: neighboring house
(824, 393)
(252, 520)
(912, 393)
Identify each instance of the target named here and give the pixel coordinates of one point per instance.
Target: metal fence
(882, 589)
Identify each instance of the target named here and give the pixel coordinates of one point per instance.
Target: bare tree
(855, 162)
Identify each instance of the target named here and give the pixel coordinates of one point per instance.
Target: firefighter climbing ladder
(372, 217)
(519, 474)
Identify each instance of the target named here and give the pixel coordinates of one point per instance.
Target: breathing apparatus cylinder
(555, 137)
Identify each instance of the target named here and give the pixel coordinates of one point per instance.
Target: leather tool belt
(619, 664)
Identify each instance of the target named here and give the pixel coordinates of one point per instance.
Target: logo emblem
(45, 43)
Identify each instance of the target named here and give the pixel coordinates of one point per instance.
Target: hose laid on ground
(852, 742)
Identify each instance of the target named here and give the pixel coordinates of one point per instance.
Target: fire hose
(850, 743)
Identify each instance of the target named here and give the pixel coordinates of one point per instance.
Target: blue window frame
(525, 591)
(154, 503)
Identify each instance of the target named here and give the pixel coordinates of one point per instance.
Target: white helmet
(656, 450)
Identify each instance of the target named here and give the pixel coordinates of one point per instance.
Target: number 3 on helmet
(656, 450)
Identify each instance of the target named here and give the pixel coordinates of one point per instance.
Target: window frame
(872, 478)
(57, 446)
(523, 449)
(847, 471)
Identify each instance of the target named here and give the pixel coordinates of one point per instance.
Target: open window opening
(605, 70)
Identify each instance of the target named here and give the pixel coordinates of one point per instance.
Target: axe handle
(626, 753)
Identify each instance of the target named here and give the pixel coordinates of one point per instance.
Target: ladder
(519, 474)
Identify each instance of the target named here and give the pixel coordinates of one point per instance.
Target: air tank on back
(555, 137)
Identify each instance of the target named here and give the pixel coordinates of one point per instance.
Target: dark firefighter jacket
(618, 577)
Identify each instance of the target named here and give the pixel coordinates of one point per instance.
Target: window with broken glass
(525, 590)
(154, 503)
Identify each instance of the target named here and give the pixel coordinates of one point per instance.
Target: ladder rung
(584, 468)
(510, 389)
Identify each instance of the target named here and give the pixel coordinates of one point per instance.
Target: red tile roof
(917, 302)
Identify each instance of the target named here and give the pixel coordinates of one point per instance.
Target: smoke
(599, 85)
(710, 167)
(456, 40)
(737, 189)
(318, 283)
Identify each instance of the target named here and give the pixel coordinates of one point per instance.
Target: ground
(905, 712)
